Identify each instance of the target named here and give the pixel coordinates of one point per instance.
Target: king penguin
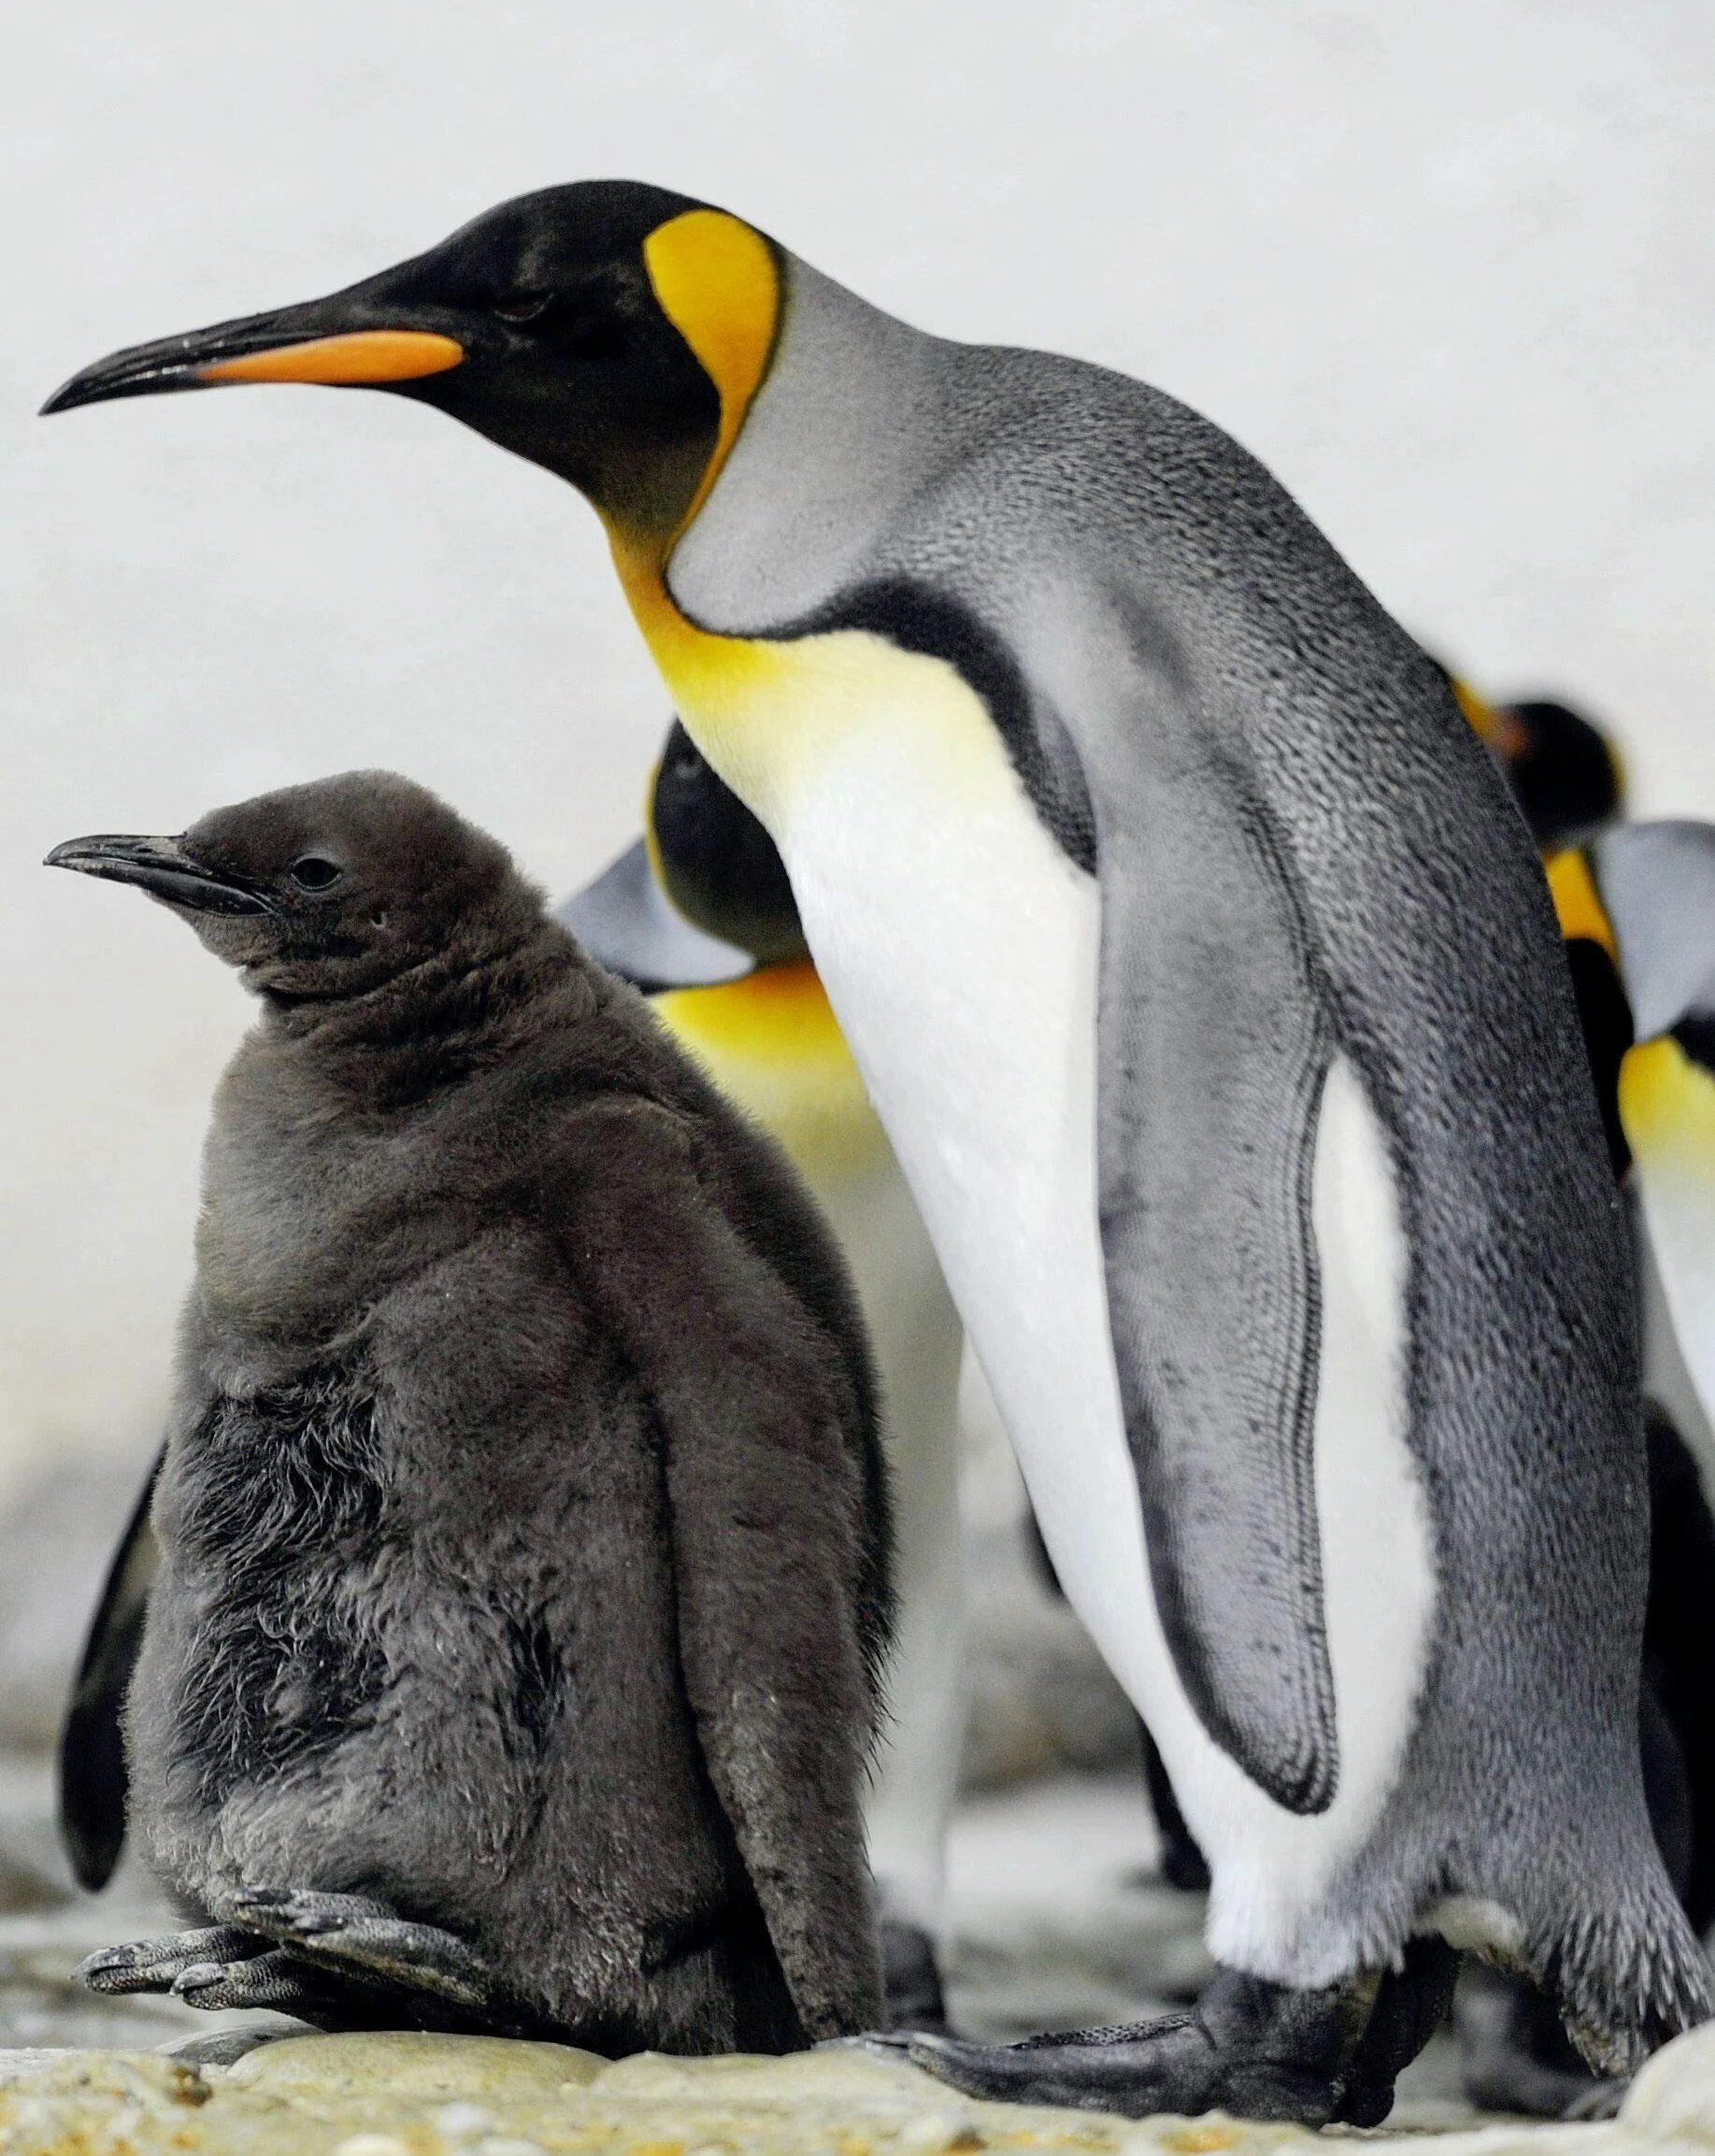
(1637, 904)
(698, 913)
(1206, 985)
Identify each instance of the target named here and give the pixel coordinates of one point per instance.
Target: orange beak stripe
(364, 355)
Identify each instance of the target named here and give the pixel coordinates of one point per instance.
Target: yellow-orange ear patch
(718, 283)
(359, 356)
(1578, 903)
(1496, 729)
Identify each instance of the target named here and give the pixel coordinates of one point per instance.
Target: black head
(324, 892)
(715, 861)
(562, 325)
(1565, 773)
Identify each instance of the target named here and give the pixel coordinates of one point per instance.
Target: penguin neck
(851, 420)
(463, 1009)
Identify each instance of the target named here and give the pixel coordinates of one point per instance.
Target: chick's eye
(523, 306)
(314, 872)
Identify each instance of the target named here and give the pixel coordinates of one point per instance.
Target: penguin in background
(1204, 981)
(516, 1647)
(699, 915)
(1565, 773)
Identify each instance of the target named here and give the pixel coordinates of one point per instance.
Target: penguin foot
(156, 1964)
(912, 1978)
(269, 1978)
(354, 1936)
(1255, 2049)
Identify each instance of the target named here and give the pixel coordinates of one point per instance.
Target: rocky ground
(1059, 1922)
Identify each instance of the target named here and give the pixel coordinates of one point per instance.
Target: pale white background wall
(1447, 268)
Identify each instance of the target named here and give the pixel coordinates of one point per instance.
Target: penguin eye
(524, 306)
(314, 872)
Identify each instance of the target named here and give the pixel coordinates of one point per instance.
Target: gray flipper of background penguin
(626, 922)
(955, 622)
(92, 1775)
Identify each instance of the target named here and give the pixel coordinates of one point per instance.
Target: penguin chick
(513, 1659)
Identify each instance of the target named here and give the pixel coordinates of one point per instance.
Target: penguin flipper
(1213, 1045)
(627, 922)
(94, 1780)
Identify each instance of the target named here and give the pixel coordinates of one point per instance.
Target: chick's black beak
(347, 340)
(161, 867)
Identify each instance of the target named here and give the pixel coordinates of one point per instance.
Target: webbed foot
(355, 1939)
(1256, 2050)
(270, 1979)
(156, 1964)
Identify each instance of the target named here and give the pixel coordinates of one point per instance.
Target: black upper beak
(355, 338)
(161, 867)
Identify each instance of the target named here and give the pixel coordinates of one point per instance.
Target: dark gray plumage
(514, 1656)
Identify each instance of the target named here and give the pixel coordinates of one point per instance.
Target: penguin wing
(627, 923)
(1212, 1047)
(94, 1783)
(772, 1495)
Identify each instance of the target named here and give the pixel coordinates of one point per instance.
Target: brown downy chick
(513, 1661)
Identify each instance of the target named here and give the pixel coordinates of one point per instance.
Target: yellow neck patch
(1578, 903)
(1668, 1107)
(772, 1043)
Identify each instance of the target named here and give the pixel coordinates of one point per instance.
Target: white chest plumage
(959, 949)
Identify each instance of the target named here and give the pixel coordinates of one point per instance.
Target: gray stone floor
(1058, 1923)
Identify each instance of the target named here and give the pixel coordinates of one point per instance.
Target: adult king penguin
(1207, 987)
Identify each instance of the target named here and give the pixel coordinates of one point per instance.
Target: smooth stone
(414, 2065)
(1673, 2098)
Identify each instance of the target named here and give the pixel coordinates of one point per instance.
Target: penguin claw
(271, 1979)
(157, 1964)
(303, 1909)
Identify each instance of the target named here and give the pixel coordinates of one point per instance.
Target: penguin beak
(161, 867)
(347, 340)
(1667, 1106)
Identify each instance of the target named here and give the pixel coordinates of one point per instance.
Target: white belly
(959, 949)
